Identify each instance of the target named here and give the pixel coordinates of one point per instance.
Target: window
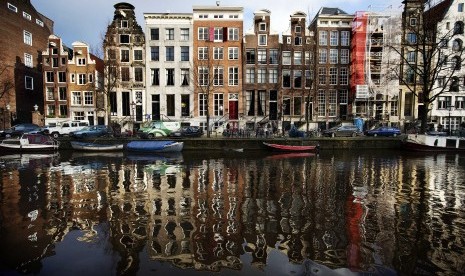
(203, 15)
(62, 96)
(411, 38)
(286, 78)
(49, 94)
(63, 110)
(28, 60)
(217, 16)
(203, 53)
(78, 115)
(202, 104)
(51, 110)
(218, 104)
(345, 38)
(262, 27)
(444, 102)
(55, 62)
(50, 76)
(297, 106)
(27, 38)
(169, 34)
(322, 75)
(184, 34)
(298, 29)
(218, 34)
(155, 76)
(297, 79)
(39, 22)
(343, 76)
(27, 16)
(76, 98)
(82, 79)
(218, 53)
(274, 54)
(233, 34)
(233, 76)
(184, 77)
(261, 56)
(250, 56)
(125, 74)
(333, 76)
(409, 75)
(298, 58)
(138, 74)
(203, 76)
(413, 21)
(308, 79)
(454, 84)
(233, 53)
(124, 24)
(458, 27)
(12, 8)
(250, 75)
(124, 39)
(460, 102)
(344, 96)
(154, 34)
(261, 75)
(273, 75)
(323, 56)
(321, 100)
(170, 77)
(28, 83)
(307, 57)
(333, 56)
(344, 56)
(286, 58)
(124, 55)
(323, 38)
(203, 33)
(460, 7)
(169, 53)
(333, 38)
(61, 76)
(297, 40)
(218, 76)
(184, 53)
(457, 45)
(262, 39)
(170, 105)
(137, 54)
(155, 53)
(88, 98)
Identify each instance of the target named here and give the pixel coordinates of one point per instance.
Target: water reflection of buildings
(340, 211)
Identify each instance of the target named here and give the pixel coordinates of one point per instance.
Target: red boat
(278, 147)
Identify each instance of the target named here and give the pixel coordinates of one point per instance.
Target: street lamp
(36, 107)
(133, 108)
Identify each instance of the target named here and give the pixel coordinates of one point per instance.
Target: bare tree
(111, 75)
(208, 78)
(6, 79)
(428, 65)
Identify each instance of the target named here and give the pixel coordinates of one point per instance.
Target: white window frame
(76, 98)
(261, 75)
(273, 75)
(27, 37)
(286, 58)
(82, 79)
(333, 56)
(345, 56)
(49, 74)
(202, 53)
(323, 38)
(12, 7)
(39, 22)
(345, 38)
(333, 38)
(88, 98)
(28, 60)
(203, 33)
(233, 53)
(184, 34)
(233, 34)
(262, 27)
(233, 76)
(81, 62)
(27, 16)
(218, 53)
(262, 39)
(218, 34)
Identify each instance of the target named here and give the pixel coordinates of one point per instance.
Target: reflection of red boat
(290, 155)
(278, 147)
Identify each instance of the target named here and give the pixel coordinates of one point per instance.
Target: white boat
(425, 142)
(30, 142)
(87, 146)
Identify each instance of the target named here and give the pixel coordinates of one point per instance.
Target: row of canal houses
(203, 68)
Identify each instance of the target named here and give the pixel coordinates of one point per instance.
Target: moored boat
(154, 146)
(87, 146)
(424, 142)
(30, 142)
(280, 147)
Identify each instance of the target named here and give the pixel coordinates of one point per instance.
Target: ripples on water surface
(234, 213)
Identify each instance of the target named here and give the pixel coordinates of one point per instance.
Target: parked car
(342, 130)
(92, 131)
(18, 130)
(64, 128)
(383, 131)
(157, 129)
(190, 131)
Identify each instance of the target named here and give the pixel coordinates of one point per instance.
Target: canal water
(232, 213)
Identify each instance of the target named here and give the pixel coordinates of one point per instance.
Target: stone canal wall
(257, 143)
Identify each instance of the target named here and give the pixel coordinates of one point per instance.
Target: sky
(87, 20)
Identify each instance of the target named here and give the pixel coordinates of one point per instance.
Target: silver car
(342, 131)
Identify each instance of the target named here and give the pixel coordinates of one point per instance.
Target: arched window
(458, 27)
(457, 45)
(457, 63)
(454, 84)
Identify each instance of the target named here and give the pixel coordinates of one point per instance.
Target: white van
(64, 128)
